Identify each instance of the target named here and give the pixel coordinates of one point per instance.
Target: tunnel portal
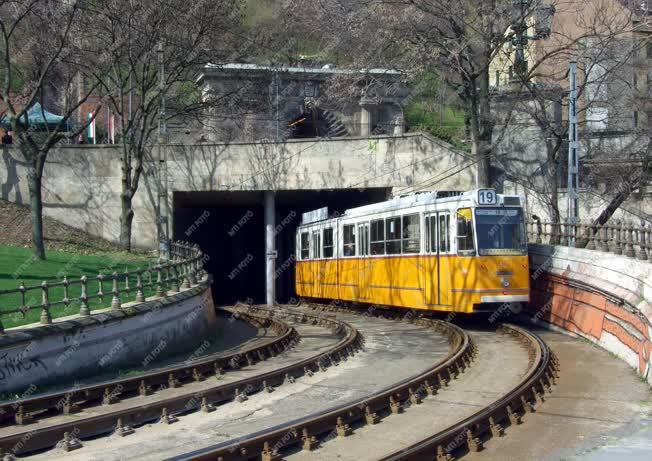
(230, 229)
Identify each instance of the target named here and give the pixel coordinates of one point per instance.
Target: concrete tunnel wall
(604, 298)
(228, 226)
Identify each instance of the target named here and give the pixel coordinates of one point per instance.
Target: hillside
(16, 230)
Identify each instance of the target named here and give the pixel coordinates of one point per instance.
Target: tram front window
(500, 231)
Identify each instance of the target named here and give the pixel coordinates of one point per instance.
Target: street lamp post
(522, 10)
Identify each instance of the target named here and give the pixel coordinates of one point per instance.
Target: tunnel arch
(315, 122)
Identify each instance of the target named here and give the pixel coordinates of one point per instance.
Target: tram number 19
(487, 197)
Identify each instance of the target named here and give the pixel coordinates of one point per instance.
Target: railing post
(100, 286)
(191, 272)
(618, 249)
(172, 277)
(603, 241)
(641, 254)
(127, 288)
(591, 236)
(629, 249)
(84, 311)
(538, 231)
(160, 292)
(115, 301)
(140, 296)
(46, 318)
(66, 299)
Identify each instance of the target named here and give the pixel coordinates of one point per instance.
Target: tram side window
(305, 245)
(348, 240)
(377, 237)
(328, 243)
(465, 244)
(444, 233)
(411, 234)
(393, 236)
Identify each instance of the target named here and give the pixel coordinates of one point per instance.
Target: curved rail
(266, 444)
(163, 409)
(521, 399)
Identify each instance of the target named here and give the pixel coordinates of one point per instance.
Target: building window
(635, 119)
(377, 237)
(393, 236)
(411, 234)
(305, 245)
(348, 240)
(649, 49)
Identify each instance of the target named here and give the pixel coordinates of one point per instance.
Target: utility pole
(573, 155)
(162, 203)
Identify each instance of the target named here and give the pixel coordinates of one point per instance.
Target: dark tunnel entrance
(229, 227)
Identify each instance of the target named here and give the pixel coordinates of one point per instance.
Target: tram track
(266, 444)
(40, 433)
(467, 434)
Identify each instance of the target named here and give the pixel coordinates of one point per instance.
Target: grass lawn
(18, 265)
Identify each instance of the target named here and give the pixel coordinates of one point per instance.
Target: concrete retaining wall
(601, 297)
(35, 357)
(81, 183)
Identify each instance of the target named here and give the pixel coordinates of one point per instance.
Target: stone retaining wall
(598, 296)
(31, 358)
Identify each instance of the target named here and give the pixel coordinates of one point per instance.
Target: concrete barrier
(33, 358)
(601, 297)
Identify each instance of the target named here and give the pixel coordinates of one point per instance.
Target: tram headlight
(505, 283)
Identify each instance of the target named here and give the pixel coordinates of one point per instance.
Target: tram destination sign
(319, 214)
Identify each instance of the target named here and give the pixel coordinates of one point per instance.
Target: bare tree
(46, 57)
(178, 36)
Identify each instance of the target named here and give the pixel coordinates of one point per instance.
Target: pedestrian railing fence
(182, 269)
(619, 238)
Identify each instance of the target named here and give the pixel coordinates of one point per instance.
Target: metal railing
(620, 238)
(182, 270)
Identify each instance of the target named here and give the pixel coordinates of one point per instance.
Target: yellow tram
(461, 252)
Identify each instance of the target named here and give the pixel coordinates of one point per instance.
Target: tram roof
(420, 198)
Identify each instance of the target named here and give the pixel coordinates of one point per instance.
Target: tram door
(437, 278)
(363, 260)
(316, 268)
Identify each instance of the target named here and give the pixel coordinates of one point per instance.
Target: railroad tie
(69, 407)
(197, 376)
(144, 389)
(430, 389)
(527, 406)
(22, 417)
(239, 396)
(122, 430)
(394, 405)
(205, 406)
(474, 443)
(371, 417)
(514, 418)
(415, 398)
(342, 428)
(167, 418)
(496, 429)
(68, 443)
(309, 442)
(442, 455)
(269, 454)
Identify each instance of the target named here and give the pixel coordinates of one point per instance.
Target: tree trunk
(126, 219)
(126, 200)
(36, 205)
